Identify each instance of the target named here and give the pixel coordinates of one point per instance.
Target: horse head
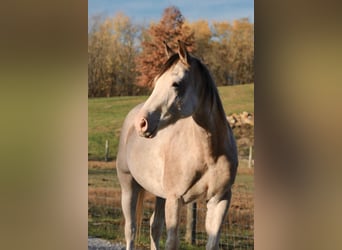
(173, 96)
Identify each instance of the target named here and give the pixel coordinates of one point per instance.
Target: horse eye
(175, 84)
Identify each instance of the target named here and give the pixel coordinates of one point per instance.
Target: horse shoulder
(126, 131)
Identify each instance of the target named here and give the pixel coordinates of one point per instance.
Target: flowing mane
(210, 90)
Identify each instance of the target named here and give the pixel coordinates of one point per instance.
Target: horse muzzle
(146, 127)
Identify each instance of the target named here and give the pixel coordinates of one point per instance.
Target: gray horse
(178, 146)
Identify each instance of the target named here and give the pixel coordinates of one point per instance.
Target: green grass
(105, 118)
(247, 181)
(106, 115)
(238, 98)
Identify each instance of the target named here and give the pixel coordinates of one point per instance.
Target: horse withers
(178, 146)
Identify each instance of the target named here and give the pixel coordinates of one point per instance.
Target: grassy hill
(106, 115)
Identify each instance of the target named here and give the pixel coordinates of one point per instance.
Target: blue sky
(146, 10)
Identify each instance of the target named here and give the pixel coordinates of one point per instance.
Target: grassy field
(105, 220)
(106, 115)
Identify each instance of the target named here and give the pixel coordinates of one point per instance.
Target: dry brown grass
(104, 196)
(106, 217)
(241, 207)
(111, 165)
(101, 164)
(247, 171)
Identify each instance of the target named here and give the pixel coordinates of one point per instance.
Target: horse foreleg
(216, 212)
(157, 222)
(129, 196)
(172, 210)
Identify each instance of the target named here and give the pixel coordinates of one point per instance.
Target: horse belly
(151, 183)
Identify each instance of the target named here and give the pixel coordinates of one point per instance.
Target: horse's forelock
(169, 63)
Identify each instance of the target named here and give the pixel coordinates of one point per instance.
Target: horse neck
(211, 122)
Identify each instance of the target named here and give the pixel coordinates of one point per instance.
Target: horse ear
(183, 53)
(168, 51)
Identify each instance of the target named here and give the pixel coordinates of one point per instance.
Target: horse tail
(139, 211)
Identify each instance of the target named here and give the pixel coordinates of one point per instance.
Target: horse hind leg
(129, 196)
(216, 212)
(157, 222)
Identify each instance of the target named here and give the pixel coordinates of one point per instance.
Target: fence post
(107, 151)
(250, 157)
(191, 212)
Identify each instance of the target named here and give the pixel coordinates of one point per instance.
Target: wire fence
(105, 218)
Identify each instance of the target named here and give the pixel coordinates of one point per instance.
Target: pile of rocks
(237, 120)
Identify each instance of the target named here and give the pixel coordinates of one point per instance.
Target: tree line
(124, 57)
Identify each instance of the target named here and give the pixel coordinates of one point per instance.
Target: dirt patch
(248, 171)
(104, 197)
(101, 164)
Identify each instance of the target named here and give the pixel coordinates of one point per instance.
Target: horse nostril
(143, 125)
